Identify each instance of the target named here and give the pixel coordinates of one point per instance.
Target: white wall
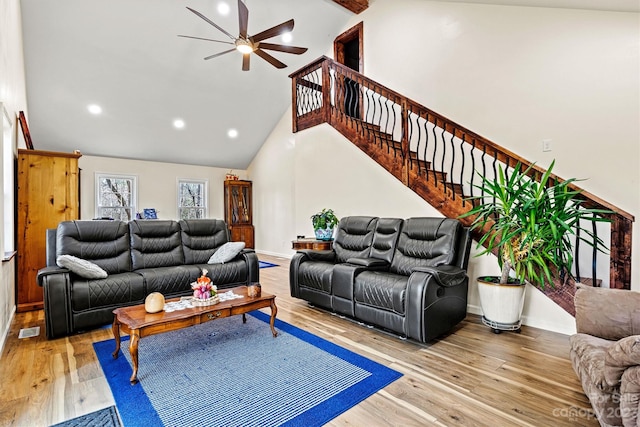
(516, 75)
(13, 98)
(157, 184)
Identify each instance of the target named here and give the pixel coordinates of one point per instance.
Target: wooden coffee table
(135, 321)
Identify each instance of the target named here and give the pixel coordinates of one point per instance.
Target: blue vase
(324, 233)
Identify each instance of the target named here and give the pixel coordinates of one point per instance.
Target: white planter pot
(501, 304)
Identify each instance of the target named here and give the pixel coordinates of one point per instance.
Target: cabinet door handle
(211, 316)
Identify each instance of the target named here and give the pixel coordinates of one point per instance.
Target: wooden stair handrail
(621, 219)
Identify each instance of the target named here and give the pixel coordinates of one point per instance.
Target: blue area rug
(106, 417)
(264, 264)
(226, 373)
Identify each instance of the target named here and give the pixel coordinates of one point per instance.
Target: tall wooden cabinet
(238, 211)
(48, 193)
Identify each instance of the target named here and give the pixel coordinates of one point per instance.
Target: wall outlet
(546, 145)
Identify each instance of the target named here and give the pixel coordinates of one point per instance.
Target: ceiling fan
(252, 44)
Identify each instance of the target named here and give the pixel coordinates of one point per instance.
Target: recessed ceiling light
(232, 133)
(94, 109)
(223, 8)
(287, 37)
(178, 123)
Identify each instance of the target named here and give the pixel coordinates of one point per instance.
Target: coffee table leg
(274, 311)
(116, 334)
(133, 350)
(244, 318)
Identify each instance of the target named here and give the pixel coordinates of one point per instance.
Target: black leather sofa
(407, 276)
(140, 257)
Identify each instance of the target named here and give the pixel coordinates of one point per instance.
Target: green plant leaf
(529, 222)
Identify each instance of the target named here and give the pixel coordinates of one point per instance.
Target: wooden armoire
(238, 211)
(47, 193)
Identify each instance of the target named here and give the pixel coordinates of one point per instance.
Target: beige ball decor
(154, 302)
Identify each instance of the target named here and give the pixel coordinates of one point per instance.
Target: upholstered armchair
(605, 352)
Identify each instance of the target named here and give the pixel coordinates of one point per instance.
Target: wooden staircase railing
(433, 155)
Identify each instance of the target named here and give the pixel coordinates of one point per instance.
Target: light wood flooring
(470, 377)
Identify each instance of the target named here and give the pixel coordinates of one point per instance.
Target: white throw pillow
(81, 267)
(226, 252)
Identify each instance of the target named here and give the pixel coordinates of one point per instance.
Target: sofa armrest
(253, 265)
(313, 255)
(445, 275)
(373, 263)
(623, 354)
(431, 308)
(47, 271)
(57, 301)
(611, 314)
(630, 396)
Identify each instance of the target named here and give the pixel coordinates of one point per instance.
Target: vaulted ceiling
(126, 57)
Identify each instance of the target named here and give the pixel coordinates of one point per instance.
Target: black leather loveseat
(139, 257)
(407, 276)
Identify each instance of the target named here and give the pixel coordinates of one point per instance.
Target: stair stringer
(440, 194)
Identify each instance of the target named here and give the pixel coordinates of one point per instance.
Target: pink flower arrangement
(203, 288)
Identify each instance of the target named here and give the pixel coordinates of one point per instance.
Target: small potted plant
(324, 222)
(528, 225)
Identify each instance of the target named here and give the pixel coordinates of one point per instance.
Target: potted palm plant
(324, 223)
(528, 225)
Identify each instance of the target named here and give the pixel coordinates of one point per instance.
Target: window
(192, 199)
(116, 196)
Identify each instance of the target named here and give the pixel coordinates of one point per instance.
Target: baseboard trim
(527, 321)
(5, 333)
(275, 254)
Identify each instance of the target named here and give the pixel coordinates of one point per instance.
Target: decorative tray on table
(205, 302)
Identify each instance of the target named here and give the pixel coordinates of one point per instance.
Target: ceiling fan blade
(211, 22)
(245, 61)
(270, 59)
(283, 48)
(202, 38)
(285, 27)
(243, 18)
(215, 55)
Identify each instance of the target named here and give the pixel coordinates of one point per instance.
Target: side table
(310, 243)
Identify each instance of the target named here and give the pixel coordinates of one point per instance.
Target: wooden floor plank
(468, 377)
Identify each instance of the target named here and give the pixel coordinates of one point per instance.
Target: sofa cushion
(114, 291)
(385, 238)
(607, 313)
(105, 243)
(383, 290)
(155, 243)
(226, 252)
(426, 242)
(228, 274)
(201, 237)
(170, 281)
(621, 355)
(354, 237)
(316, 275)
(81, 267)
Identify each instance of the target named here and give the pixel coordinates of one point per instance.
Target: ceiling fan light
(244, 47)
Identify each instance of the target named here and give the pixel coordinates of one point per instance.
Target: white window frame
(134, 194)
(205, 185)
